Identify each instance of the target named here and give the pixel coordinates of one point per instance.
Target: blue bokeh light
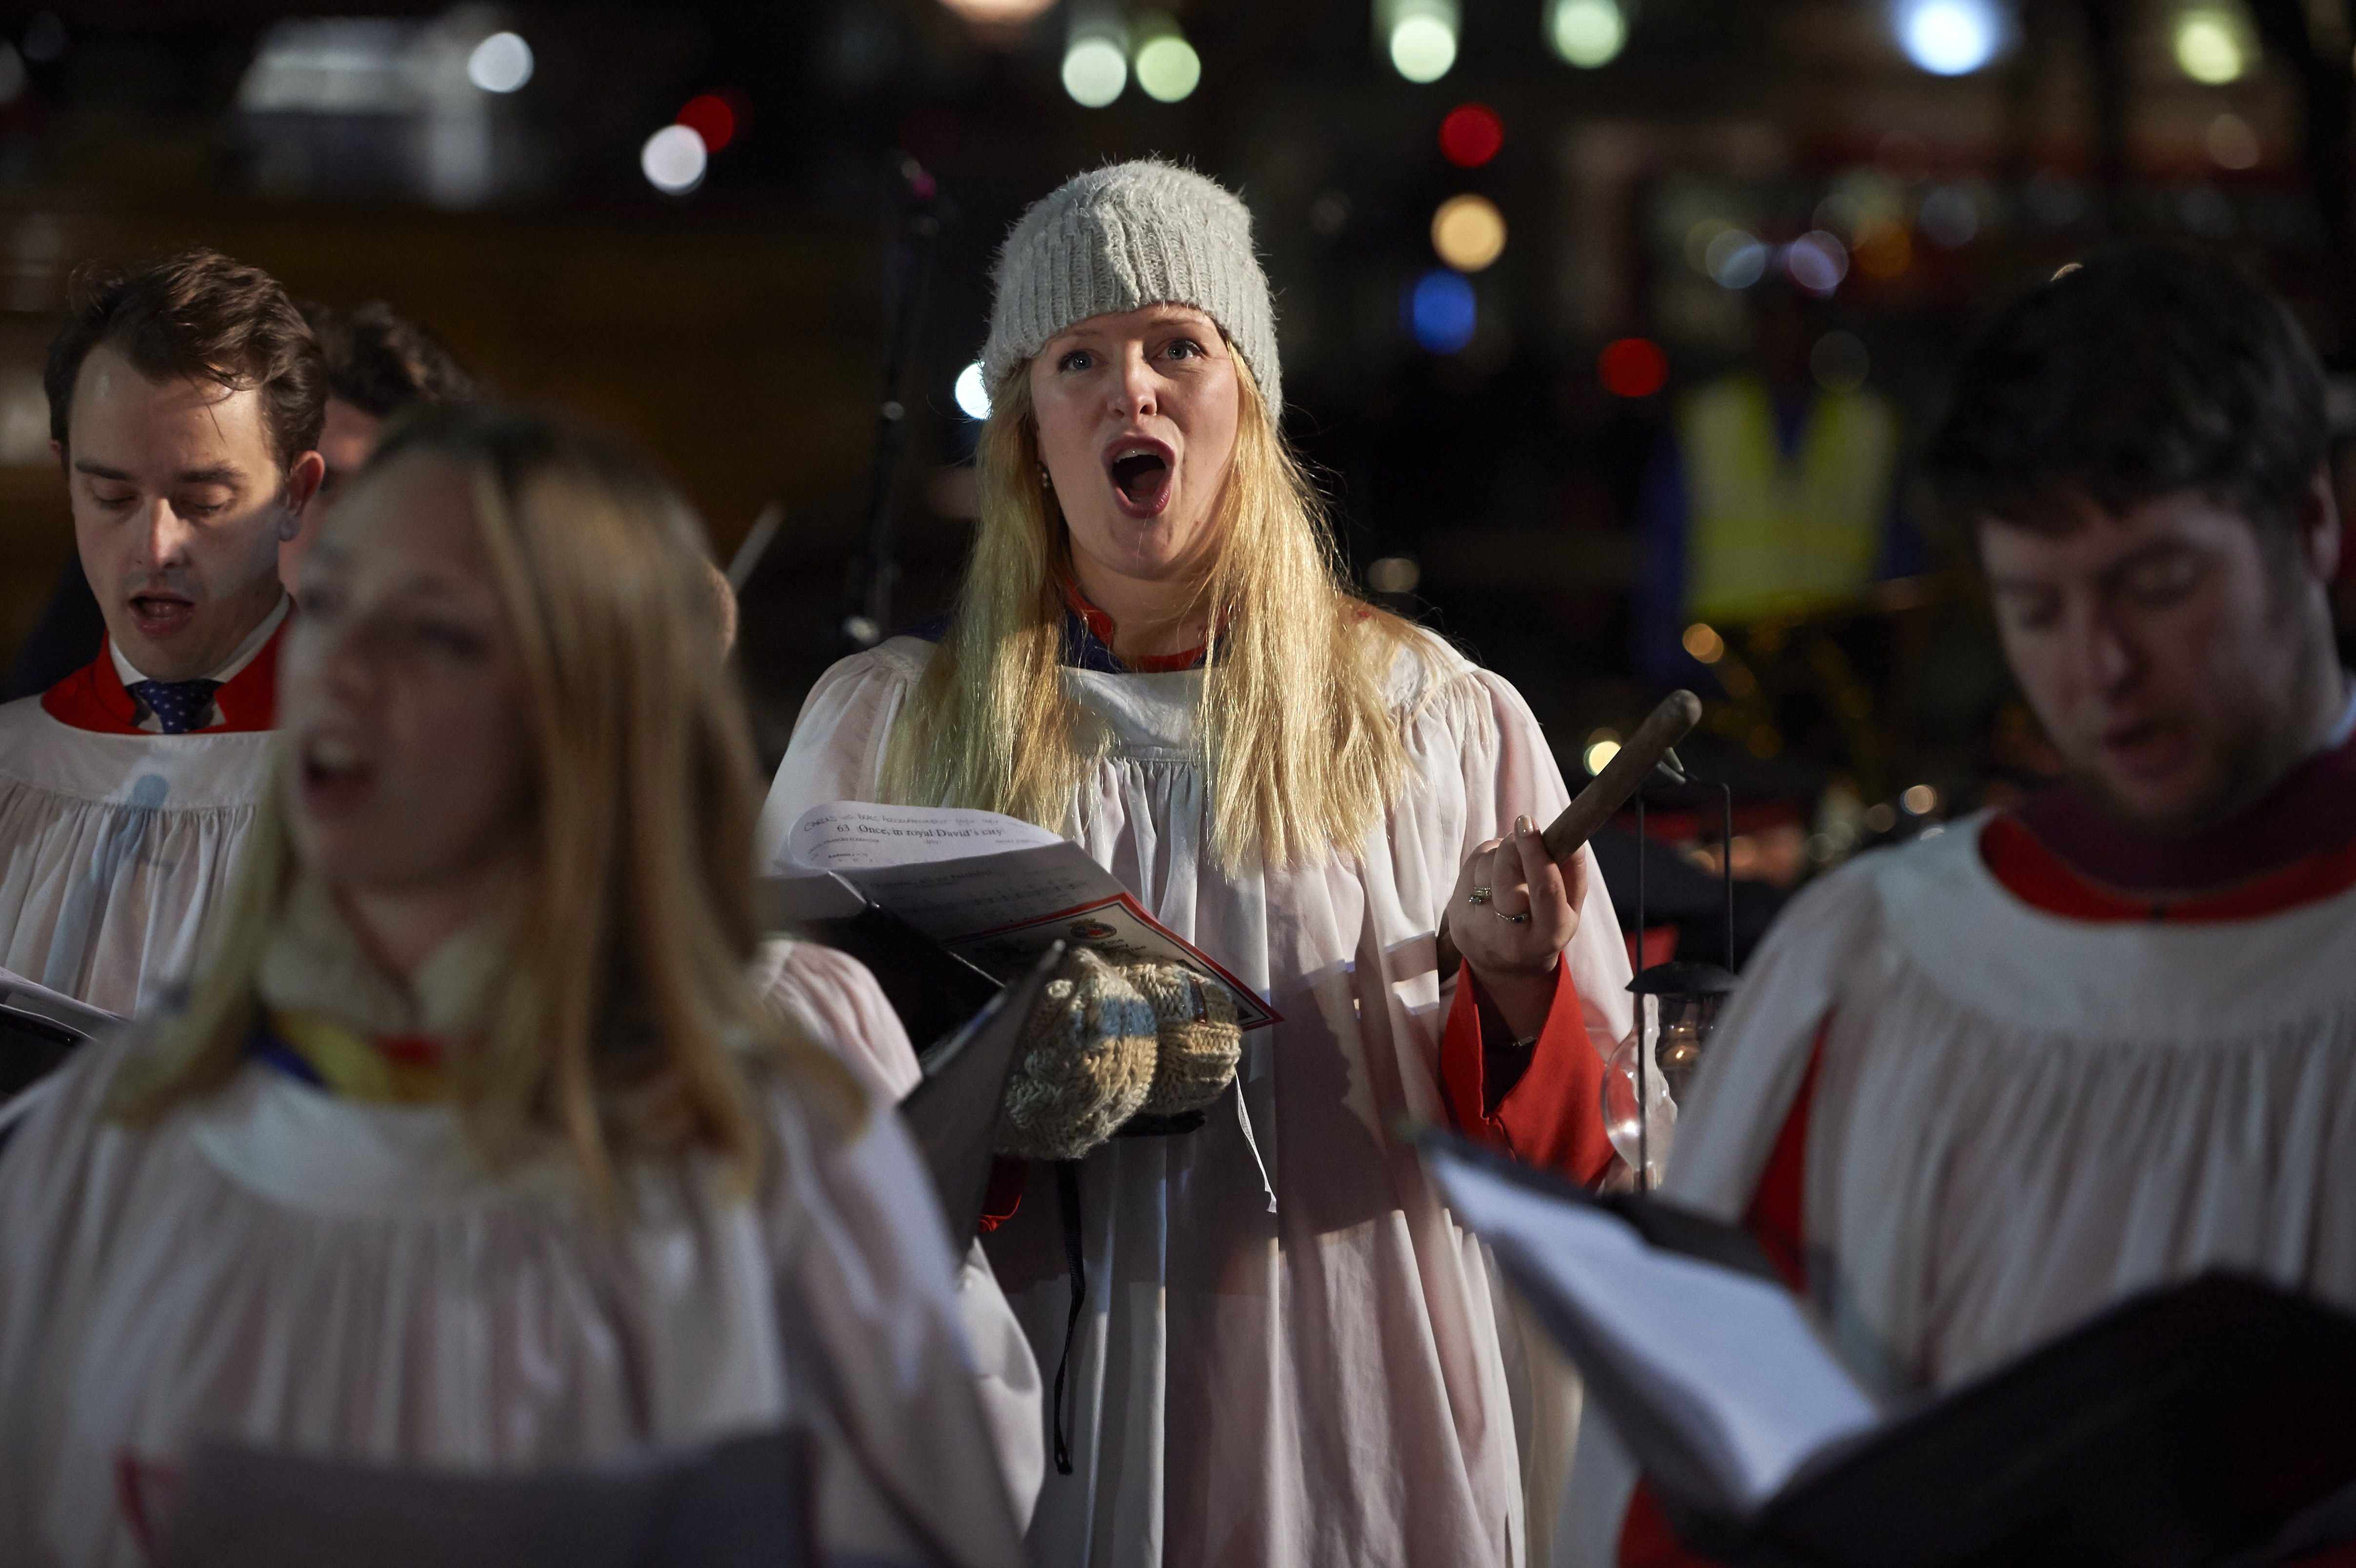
(1440, 310)
(1950, 38)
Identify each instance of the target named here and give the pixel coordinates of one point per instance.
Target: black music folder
(745, 1503)
(954, 1112)
(934, 991)
(2213, 1422)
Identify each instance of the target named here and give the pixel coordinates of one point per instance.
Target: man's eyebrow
(98, 470)
(219, 474)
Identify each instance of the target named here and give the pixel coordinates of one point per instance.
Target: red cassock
(1552, 1116)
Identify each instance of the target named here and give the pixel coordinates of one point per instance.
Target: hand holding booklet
(2204, 1423)
(991, 890)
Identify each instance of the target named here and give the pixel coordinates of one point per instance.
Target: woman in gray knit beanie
(1155, 653)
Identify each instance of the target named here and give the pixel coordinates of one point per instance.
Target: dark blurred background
(1570, 293)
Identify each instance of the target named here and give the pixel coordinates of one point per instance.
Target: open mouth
(161, 615)
(335, 775)
(1141, 471)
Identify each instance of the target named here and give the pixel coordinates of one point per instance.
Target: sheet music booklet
(990, 889)
(2204, 1423)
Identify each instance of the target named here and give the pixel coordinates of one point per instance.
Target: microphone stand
(919, 211)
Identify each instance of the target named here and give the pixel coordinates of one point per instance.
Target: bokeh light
(1468, 232)
(1702, 641)
(1422, 41)
(2209, 45)
(500, 63)
(1587, 33)
(1598, 755)
(1920, 800)
(1818, 261)
(2231, 144)
(1949, 38)
(1168, 69)
(1734, 258)
(998, 12)
(1470, 135)
(712, 117)
(1441, 312)
(1095, 71)
(972, 393)
(1632, 368)
(1394, 574)
(674, 159)
(1884, 251)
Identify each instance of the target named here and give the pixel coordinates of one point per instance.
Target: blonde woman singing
(474, 1146)
(1288, 1352)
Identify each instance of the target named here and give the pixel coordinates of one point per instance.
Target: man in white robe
(186, 396)
(1977, 1088)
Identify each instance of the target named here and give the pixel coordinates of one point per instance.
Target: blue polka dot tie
(179, 705)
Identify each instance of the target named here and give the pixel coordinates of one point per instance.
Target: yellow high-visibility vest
(1767, 535)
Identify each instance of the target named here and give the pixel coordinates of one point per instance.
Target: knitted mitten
(1086, 1063)
(1197, 1037)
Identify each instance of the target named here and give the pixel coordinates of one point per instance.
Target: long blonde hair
(1302, 755)
(613, 1025)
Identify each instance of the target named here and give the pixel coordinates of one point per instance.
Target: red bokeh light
(1470, 135)
(712, 117)
(1632, 368)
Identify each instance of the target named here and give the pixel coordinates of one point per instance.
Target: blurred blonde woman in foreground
(474, 1146)
(1287, 1352)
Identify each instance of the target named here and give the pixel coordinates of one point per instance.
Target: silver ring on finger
(1477, 896)
(1521, 919)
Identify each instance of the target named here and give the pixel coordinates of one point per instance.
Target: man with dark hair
(185, 399)
(378, 363)
(1977, 1088)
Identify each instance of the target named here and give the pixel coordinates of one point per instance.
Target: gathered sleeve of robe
(838, 1004)
(1552, 1116)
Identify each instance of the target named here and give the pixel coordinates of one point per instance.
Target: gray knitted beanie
(1122, 237)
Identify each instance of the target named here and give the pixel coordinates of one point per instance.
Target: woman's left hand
(1513, 912)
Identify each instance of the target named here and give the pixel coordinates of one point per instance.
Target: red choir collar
(1099, 625)
(92, 698)
(2296, 845)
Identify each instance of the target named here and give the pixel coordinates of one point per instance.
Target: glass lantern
(1677, 1006)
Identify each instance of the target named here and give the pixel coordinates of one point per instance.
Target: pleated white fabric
(1291, 1354)
(284, 1267)
(117, 851)
(838, 1003)
(2021, 1118)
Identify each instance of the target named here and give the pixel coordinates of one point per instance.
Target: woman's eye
(1185, 348)
(1078, 359)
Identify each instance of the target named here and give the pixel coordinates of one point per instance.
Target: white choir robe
(838, 1003)
(2018, 1117)
(286, 1267)
(1291, 1353)
(118, 847)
